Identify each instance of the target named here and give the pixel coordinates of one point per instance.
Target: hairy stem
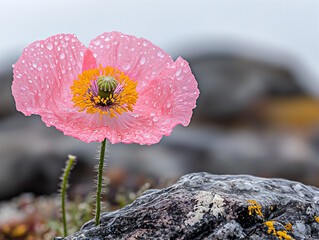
(67, 170)
(99, 184)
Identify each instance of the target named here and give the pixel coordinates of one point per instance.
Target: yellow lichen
(288, 227)
(279, 234)
(255, 207)
(283, 235)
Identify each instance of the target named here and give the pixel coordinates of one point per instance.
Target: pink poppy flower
(121, 88)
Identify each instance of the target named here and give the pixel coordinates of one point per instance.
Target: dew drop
(168, 105)
(184, 88)
(30, 81)
(23, 61)
(107, 39)
(178, 72)
(82, 54)
(63, 71)
(126, 66)
(67, 38)
(97, 42)
(95, 55)
(152, 114)
(160, 54)
(49, 46)
(47, 85)
(37, 44)
(34, 65)
(13, 65)
(142, 61)
(62, 56)
(144, 44)
(155, 119)
(39, 68)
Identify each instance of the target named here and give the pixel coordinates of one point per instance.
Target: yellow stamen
(117, 103)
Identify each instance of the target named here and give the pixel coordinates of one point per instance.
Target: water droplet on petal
(178, 72)
(49, 46)
(160, 54)
(155, 119)
(34, 65)
(62, 56)
(142, 61)
(97, 42)
(126, 66)
(47, 85)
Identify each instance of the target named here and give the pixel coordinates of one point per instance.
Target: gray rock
(206, 206)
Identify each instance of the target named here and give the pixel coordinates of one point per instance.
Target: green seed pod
(106, 85)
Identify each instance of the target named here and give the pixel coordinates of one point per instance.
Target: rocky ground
(206, 206)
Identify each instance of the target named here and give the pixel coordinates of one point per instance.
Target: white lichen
(206, 202)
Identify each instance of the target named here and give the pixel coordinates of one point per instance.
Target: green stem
(99, 184)
(67, 170)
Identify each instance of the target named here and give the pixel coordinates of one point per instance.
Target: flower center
(107, 91)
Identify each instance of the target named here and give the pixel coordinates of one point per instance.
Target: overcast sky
(291, 26)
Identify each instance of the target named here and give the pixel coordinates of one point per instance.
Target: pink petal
(138, 57)
(43, 76)
(89, 61)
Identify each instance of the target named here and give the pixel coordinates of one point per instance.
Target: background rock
(205, 206)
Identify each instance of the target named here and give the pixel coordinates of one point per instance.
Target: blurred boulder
(7, 106)
(32, 156)
(231, 84)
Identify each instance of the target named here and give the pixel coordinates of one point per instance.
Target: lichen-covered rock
(206, 206)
